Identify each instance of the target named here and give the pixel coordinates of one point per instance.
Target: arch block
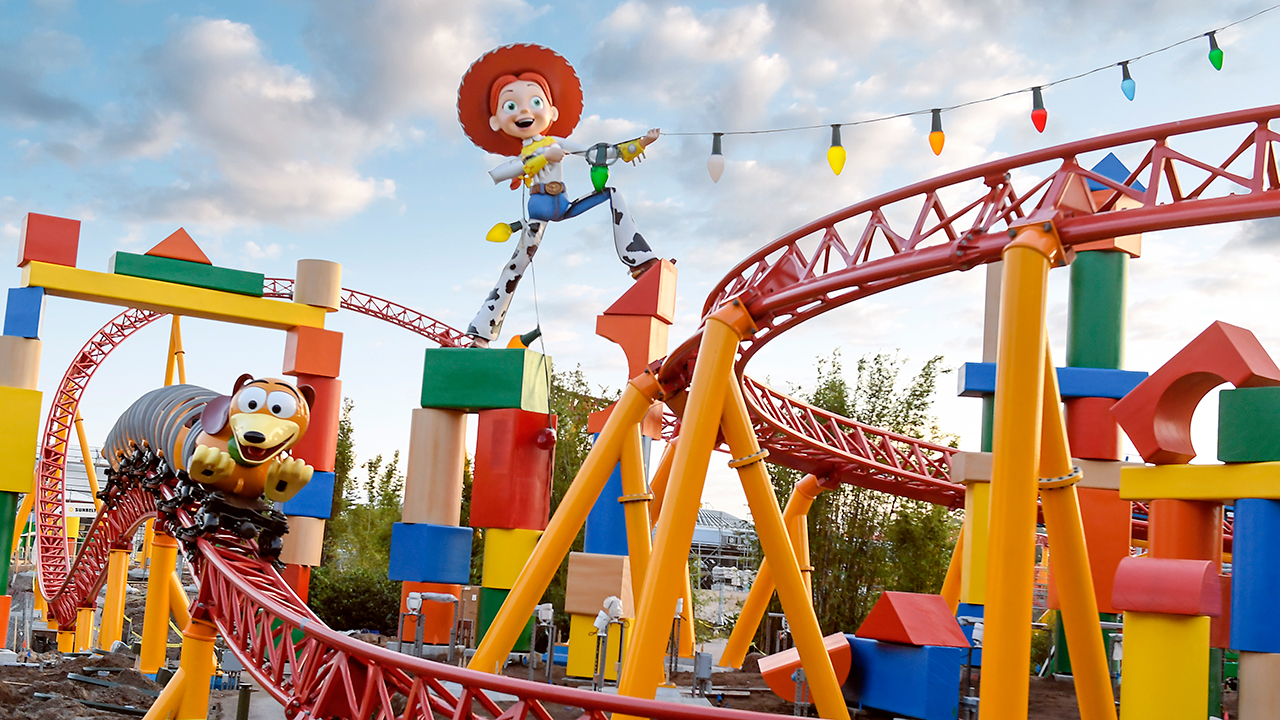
(1156, 415)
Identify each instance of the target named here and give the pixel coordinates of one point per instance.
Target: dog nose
(254, 436)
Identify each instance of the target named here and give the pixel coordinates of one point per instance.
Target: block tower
(509, 390)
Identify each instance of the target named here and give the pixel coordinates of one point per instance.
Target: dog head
(265, 416)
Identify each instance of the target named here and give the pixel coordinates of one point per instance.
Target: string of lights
(836, 154)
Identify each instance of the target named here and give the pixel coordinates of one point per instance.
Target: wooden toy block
(912, 619)
(971, 611)
(19, 438)
(652, 295)
(1095, 310)
(1259, 675)
(969, 467)
(979, 379)
(1201, 482)
(1248, 424)
(19, 362)
(583, 641)
(505, 553)
(304, 541)
(776, 669)
(430, 553)
(977, 519)
(643, 339)
(125, 291)
(606, 531)
(186, 273)
(180, 246)
(919, 682)
(1220, 626)
(6, 603)
(314, 500)
(319, 444)
(592, 578)
(1255, 582)
(1185, 529)
(48, 239)
(491, 600)
(1157, 414)
(312, 351)
(1169, 587)
(433, 473)
(1166, 667)
(512, 473)
(318, 284)
(472, 380)
(437, 617)
(1107, 530)
(1092, 430)
(24, 313)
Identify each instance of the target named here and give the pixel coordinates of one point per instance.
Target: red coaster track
(902, 237)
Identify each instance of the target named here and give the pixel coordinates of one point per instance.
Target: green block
(474, 379)
(1095, 309)
(1249, 425)
(490, 601)
(1215, 682)
(186, 273)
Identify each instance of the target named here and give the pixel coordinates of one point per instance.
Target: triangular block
(913, 619)
(652, 295)
(179, 246)
(1111, 168)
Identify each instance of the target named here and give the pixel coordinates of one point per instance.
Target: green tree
(343, 463)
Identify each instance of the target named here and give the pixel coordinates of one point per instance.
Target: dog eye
(251, 399)
(282, 404)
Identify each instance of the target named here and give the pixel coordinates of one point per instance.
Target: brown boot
(642, 268)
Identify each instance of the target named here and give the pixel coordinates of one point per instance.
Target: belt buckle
(554, 187)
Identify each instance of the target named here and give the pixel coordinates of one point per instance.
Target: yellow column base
(197, 667)
(1166, 667)
(66, 641)
(155, 621)
(84, 629)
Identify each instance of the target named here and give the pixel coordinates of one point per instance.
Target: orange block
(312, 351)
(1168, 587)
(1092, 430)
(778, 667)
(1220, 626)
(1156, 415)
(437, 617)
(179, 246)
(652, 295)
(912, 619)
(5, 603)
(643, 339)
(297, 577)
(48, 239)
(1186, 529)
(1107, 526)
(319, 444)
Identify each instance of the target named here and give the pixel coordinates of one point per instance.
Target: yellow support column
(564, 526)
(88, 462)
(155, 621)
(66, 638)
(1079, 606)
(20, 525)
(635, 503)
(658, 486)
(1015, 475)
(84, 629)
(113, 606)
(955, 571)
(178, 601)
(197, 668)
(148, 538)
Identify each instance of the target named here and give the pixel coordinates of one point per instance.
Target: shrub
(355, 599)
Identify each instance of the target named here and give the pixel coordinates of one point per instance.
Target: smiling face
(267, 417)
(524, 111)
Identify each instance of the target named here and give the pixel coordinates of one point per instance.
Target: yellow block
(1259, 685)
(1201, 482)
(19, 362)
(977, 519)
(303, 543)
(1166, 667)
(166, 297)
(19, 437)
(505, 553)
(583, 639)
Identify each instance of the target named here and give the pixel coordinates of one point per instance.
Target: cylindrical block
(302, 544)
(1186, 530)
(19, 362)
(319, 284)
(1095, 310)
(319, 444)
(1166, 667)
(1259, 685)
(433, 474)
(1094, 433)
(505, 553)
(1255, 582)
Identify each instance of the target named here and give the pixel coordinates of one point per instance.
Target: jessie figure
(522, 101)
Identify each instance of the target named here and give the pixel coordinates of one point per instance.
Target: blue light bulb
(1127, 85)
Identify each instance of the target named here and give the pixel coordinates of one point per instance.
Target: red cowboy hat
(473, 94)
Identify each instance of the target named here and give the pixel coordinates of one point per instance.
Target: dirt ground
(19, 684)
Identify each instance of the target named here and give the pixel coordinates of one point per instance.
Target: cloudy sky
(274, 131)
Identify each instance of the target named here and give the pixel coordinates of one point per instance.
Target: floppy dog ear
(308, 394)
(240, 381)
(214, 416)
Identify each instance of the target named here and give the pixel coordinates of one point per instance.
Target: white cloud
(253, 250)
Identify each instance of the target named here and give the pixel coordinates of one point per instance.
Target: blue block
(917, 681)
(23, 312)
(1111, 168)
(315, 499)
(979, 379)
(1255, 584)
(607, 522)
(430, 553)
(967, 610)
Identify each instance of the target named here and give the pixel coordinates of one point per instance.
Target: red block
(1107, 524)
(319, 443)
(48, 239)
(180, 246)
(912, 619)
(1092, 430)
(1156, 414)
(778, 667)
(297, 577)
(652, 295)
(437, 617)
(312, 351)
(1170, 587)
(511, 485)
